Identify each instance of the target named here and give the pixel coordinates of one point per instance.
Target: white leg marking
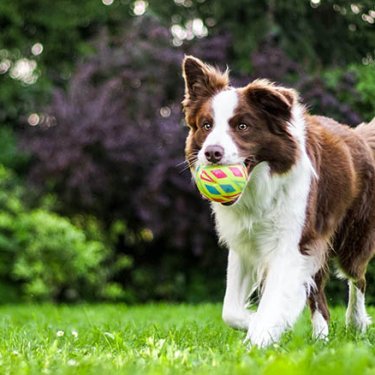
(283, 299)
(320, 326)
(237, 291)
(356, 315)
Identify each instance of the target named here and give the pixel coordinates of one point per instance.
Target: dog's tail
(367, 131)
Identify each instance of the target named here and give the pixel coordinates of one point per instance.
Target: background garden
(94, 202)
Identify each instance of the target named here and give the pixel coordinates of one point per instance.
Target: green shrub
(366, 88)
(44, 256)
(10, 155)
(55, 256)
(354, 87)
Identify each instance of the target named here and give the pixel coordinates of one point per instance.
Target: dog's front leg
(283, 298)
(237, 292)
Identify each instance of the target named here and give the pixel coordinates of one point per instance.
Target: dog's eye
(207, 126)
(242, 126)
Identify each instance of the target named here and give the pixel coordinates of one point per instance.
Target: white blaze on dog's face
(233, 125)
(219, 139)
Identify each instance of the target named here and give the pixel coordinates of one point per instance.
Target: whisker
(182, 163)
(187, 163)
(184, 169)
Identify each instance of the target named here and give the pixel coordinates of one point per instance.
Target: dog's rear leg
(237, 292)
(355, 247)
(356, 315)
(319, 308)
(354, 269)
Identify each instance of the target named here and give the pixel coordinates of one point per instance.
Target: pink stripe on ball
(236, 172)
(218, 173)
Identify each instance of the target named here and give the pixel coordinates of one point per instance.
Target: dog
(310, 196)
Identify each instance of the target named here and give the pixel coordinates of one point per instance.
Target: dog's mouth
(250, 163)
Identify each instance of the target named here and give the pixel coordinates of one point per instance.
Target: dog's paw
(261, 334)
(358, 322)
(238, 320)
(319, 327)
(260, 339)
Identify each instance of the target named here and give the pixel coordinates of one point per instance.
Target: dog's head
(237, 125)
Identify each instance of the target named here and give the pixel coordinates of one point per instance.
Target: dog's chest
(249, 233)
(269, 216)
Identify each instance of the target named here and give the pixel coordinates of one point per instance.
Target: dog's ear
(201, 80)
(273, 100)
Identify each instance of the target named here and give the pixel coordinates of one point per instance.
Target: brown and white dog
(310, 196)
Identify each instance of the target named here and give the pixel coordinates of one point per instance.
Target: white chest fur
(269, 218)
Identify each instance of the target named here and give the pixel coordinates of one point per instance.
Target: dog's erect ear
(201, 80)
(273, 100)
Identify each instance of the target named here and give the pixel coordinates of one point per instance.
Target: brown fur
(197, 134)
(317, 299)
(267, 138)
(202, 81)
(341, 202)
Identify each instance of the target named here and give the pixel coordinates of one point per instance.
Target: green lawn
(166, 339)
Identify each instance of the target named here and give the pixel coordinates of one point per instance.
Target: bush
(328, 93)
(354, 87)
(365, 85)
(10, 155)
(44, 256)
(55, 258)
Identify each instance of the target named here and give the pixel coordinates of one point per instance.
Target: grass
(166, 339)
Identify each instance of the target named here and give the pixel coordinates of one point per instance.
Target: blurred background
(95, 204)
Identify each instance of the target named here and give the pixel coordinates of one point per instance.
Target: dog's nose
(214, 153)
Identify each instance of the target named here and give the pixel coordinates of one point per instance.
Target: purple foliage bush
(270, 61)
(112, 145)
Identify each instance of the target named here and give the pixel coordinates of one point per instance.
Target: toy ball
(221, 183)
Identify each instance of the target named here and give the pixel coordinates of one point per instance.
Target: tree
(318, 33)
(40, 44)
